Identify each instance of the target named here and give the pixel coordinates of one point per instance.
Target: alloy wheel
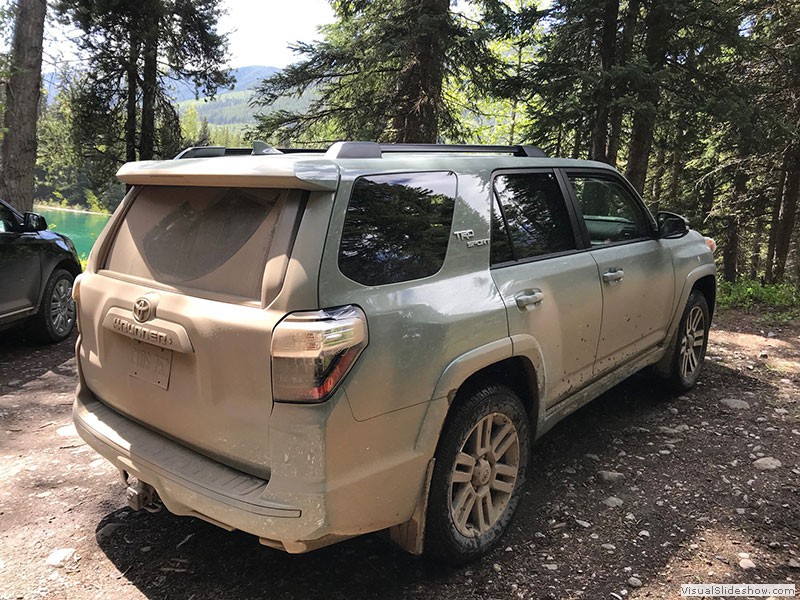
(484, 475)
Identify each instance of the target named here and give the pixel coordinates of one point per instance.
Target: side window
(397, 227)
(611, 214)
(529, 217)
(7, 220)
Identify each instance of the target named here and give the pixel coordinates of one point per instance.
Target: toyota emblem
(142, 309)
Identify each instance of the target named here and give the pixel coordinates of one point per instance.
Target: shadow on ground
(553, 548)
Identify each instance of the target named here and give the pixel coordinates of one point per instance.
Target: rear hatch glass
(203, 238)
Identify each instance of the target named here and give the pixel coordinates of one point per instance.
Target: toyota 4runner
(310, 346)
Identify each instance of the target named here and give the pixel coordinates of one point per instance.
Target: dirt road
(695, 499)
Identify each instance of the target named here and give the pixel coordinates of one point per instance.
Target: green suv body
(312, 346)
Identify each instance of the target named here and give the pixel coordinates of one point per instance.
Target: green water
(81, 227)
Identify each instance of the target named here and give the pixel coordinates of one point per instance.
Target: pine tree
(380, 74)
(133, 47)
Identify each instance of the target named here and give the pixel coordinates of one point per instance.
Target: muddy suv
(311, 346)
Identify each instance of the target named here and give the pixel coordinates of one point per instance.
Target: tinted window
(397, 227)
(611, 214)
(7, 220)
(532, 209)
(204, 238)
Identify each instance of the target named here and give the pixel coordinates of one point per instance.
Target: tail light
(313, 351)
(711, 243)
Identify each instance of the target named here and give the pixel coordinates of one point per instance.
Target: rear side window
(397, 227)
(204, 238)
(529, 217)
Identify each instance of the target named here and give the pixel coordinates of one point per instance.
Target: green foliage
(379, 74)
(747, 293)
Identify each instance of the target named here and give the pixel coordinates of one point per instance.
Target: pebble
(794, 564)
(608, 547)
(497, 568)
(740, 511)
(763, 354)
(767, 463)
(734, 403)
(550, 566)
(668, 430)
(58, 558)
(682, 427)
(781, 411)
(107, 531)
(644, 533)
(613, 502)
(583, 523)
(593, 457)
(673, 410)
(610, 476)
(635, 582)
(746, 563)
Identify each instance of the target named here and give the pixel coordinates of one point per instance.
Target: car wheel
(690, 346)
(56, 317)
(480, 467)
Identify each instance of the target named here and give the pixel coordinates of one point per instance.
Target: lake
(81, 227)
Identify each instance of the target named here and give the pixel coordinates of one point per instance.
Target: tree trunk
(18, 156)
(419, 91)
(644, 118)
(788, 214)
(624, 55)
(147, 139)
(658, 181)
(730, 252)
(603, 91)
(774, 221)
(132, 79)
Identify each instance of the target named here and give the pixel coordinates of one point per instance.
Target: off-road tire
(493, 482)
(690, 344)
(56, 317)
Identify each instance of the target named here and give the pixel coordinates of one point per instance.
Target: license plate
(151, 364)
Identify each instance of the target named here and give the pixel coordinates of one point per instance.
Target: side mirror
(671, 226)
(33, 223)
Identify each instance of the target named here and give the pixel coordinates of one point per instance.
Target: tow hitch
(142, 495)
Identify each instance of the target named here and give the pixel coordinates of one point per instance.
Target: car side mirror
(671, 226)
(33, 223)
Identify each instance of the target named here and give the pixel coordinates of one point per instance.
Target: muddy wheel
(480, 468)
(690, 346)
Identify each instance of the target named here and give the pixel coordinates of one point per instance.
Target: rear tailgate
(175, 333)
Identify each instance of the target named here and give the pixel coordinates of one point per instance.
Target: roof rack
(361, 150)
(259, 148)
(375, 150)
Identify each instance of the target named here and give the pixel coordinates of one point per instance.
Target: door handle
(529, 298)
(613, 276)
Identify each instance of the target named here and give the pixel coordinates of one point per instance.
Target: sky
(259, 31)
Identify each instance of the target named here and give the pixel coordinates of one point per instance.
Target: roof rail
(375, 150)
(361, 150)
(259, 148)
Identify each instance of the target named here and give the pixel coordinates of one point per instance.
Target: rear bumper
(332, 477)
(191, 484)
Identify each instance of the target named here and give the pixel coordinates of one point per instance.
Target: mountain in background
(230, 107)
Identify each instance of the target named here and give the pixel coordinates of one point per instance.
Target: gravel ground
(631, 496)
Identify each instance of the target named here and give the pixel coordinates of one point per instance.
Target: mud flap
(410, 536)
